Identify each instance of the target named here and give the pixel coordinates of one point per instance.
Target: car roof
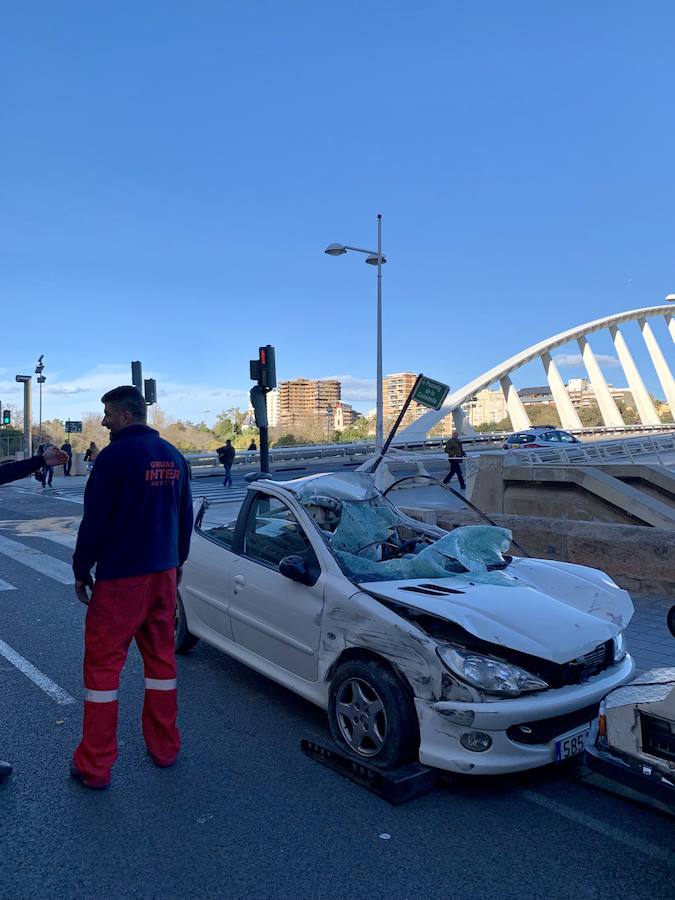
(341, 485)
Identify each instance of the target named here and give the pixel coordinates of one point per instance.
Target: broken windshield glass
(374, 541)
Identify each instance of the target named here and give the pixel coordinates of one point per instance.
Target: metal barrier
(637, 449)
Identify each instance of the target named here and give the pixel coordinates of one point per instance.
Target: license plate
(572, 745)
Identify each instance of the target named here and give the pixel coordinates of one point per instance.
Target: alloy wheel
(361, 717)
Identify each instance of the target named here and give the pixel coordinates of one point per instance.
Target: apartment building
(344, 416)
(304, 400)
(395, 390)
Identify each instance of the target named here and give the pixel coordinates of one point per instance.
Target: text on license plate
(571, 745)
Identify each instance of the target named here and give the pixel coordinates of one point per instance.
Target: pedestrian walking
(136, 530)
(90, 455)
(226, 455)
(50, 456)
(455, 451)
(67, 466)
(47, 473)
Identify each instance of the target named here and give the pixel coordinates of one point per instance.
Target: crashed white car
(419, 643)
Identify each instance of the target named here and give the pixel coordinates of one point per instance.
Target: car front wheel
(372, 715)
(184, 640)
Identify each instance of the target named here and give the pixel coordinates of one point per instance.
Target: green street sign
(431, 393)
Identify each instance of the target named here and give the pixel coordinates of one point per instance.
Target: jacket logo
(162, 471)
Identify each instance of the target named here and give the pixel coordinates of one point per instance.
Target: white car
(419, 643)
(540, 436)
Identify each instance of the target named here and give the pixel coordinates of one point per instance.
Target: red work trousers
(142, 607)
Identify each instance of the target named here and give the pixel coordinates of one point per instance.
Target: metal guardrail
(631, 450)
(204, 463)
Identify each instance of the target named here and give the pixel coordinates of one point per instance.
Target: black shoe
(76, 775)
(5, 770)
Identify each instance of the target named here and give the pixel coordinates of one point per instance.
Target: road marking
(36, 676)
(37, 560)
(6, 586)
(58, 537)
(603, 828)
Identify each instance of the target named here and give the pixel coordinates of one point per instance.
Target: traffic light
(6, 417)
(150, 391)
(264, 369)
(137, 375)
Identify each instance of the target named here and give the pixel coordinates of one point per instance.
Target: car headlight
(620, 648)
(490, 675)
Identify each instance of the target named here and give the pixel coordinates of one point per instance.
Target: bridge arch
(569, 417)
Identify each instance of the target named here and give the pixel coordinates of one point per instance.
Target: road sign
(431, 393)
(74, 427)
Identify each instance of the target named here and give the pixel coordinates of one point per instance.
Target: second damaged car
(419, 643)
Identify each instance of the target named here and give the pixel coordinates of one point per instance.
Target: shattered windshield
(374, 541)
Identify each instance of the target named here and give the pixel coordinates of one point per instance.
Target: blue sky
(171, 172)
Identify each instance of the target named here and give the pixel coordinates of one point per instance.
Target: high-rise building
(395, 390)
(303, 400)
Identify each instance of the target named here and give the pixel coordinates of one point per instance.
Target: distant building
(344, 416)
(395, 390)
(302, 401)
(273, 407)
(582, 394)
(485, 407)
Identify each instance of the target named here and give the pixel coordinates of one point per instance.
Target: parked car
(632, 742)
(419, 643)
(542, 436)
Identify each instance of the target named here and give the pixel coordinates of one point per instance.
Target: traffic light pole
(264, 447)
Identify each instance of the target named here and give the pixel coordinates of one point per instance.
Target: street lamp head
(374, 259)
(335, 249)
(23, 378)
(670, 298)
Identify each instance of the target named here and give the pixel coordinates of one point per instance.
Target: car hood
(552, 610)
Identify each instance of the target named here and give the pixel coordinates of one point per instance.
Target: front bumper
(443, 723)
(635, 774)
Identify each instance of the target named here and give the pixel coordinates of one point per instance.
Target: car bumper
(442, 724)
(639, 776)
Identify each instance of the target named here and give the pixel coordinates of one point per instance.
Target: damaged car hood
(555, 611)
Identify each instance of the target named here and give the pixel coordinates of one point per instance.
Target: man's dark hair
(127, 398)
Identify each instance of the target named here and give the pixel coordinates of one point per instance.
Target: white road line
(603, 828)
(6, 586)
(58, 537)
(36, 676)
(37, 560)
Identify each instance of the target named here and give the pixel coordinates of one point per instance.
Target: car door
(273, 616)
(206, 590)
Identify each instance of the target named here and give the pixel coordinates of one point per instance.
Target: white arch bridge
(569, 417)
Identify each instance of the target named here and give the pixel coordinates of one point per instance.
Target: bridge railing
(659, 448)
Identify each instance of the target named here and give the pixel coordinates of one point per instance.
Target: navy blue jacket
(137, 508)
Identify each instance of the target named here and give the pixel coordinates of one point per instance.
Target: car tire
(671, 620)
(184, 639)
(372, 715)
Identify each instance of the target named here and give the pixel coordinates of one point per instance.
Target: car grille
(579, 670)
(543, 731)
(658, 738)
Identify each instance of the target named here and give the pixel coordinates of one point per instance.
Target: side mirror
(295, 568)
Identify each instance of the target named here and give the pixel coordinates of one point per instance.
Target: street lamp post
(373, 258)
(40, 380)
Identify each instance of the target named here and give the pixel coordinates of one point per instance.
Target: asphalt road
(244, 813)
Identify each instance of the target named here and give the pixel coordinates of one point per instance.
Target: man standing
(67, 466)
(455, 451)
(11, 472)
(136, 529)
(226, 455)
